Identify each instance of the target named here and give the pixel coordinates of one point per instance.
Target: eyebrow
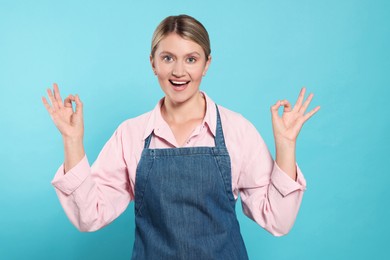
(189, 54)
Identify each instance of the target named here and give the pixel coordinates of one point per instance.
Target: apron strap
(219, 138)
(147, 141)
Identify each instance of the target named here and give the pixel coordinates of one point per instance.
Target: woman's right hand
(69, 122)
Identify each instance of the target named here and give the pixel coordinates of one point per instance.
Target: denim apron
(184, 204)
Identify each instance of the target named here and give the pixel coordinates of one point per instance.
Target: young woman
(184, 163)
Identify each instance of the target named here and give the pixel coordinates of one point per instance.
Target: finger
(47, 105)
(311, 113)
(298, 104)
(79, 105)
(306, 104)
(54, 103)
(286, 104)
(57, 95)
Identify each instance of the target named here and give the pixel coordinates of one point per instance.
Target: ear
(206, 67)
(152, 64)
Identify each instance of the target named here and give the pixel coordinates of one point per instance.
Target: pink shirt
(93, 196)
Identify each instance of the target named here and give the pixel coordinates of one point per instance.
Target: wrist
(72, 141)
(284, 143)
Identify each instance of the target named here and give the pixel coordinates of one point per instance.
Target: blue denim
(184, 204)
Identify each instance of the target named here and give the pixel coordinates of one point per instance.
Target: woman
(183, 163)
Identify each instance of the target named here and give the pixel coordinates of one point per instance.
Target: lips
(179, 85)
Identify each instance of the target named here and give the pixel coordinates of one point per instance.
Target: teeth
(179, 82)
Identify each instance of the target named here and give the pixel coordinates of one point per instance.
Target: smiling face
(179, 65)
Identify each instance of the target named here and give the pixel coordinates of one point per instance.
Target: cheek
(162, 78)
(196, 72)
(163, 72)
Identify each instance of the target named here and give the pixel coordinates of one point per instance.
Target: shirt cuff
(69, 182)
(284, 184)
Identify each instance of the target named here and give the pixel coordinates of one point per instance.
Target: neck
(194, 108)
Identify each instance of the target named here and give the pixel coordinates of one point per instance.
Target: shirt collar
(157, 124)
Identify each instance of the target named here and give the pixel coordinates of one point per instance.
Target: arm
(272, 191)
(91, 197)
(269, 196)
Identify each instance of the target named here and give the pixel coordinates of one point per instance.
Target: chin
(179, 97)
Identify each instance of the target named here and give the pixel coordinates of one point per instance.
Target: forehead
(177, 45)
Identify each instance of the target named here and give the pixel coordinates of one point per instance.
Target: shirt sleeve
(269, 196)
(92, 197)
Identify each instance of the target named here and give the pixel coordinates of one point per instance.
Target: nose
(178, 69)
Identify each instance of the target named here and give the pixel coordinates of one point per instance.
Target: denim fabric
(184, 204)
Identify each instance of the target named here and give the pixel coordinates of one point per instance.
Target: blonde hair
(185, 26)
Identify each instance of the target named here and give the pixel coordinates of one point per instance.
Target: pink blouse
(93, 196)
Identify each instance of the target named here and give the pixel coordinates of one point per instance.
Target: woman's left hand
(287, 127)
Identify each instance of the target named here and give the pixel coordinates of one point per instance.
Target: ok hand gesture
(287, 127)
(69, 122)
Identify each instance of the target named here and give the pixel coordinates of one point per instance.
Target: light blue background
(262, 51)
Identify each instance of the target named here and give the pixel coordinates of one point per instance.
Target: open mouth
(179, 84)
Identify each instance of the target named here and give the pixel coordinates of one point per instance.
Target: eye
(167, 58)
(191, 60)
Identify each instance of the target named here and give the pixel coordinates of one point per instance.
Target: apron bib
(184, 204)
